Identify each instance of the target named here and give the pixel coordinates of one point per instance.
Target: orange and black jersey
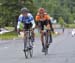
(45, 17)
(46, 21)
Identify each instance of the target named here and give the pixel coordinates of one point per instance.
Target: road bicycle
(47, 40)
(28, 43)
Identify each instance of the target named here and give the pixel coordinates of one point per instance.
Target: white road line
(5, 47)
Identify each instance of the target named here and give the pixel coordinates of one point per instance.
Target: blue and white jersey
(28, 19)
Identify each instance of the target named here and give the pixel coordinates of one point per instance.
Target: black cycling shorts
(27, 26)
(42, 23)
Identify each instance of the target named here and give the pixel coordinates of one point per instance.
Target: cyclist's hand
(32, 29)
(56, 33)
(18, 31)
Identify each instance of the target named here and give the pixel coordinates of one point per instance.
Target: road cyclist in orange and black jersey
(43, 19)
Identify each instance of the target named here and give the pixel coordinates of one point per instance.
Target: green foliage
(61, 21)
(70, 25)
(71, 19)
(57, 8)
(10, 10)
(67, 25)
(9, 35)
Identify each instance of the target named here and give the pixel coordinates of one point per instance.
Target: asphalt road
(62, 50)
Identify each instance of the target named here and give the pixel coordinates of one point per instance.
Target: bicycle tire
(46, 51)
(46, 42)
(25, 46)
(31, 52)
(26, 54)
(28, 44)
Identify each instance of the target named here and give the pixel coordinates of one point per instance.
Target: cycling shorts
(42, 24)
(27, 26)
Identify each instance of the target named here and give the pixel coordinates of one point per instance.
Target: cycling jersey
(26, 20)
(45, 17)
(46, 20)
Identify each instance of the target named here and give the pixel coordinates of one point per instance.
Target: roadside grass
(70, 25)
(9, 28)
(8, 35)
(53, 34)
(14, 35)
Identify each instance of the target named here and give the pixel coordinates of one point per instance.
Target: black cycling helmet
(24, 10)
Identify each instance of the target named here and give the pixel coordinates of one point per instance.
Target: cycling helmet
(24, 10)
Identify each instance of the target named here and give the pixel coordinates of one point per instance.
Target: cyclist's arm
(48, 17)
(37, 18)
(18, 24)
(19, 21)
(33, 23)
(51, 26)
(32, 20)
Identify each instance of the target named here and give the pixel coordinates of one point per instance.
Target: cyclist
(27, 19)
(43, 18)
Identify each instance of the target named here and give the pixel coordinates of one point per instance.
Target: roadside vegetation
(63, 11)
(8, 35)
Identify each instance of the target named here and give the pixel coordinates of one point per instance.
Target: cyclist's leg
(33, 36)
(32, 33)
(51, 29)
(50, 38)
(42, 34)
(48, 28)
(26, 27)
(25, 37)
(42, 41)
(25, 40)
(29, 27)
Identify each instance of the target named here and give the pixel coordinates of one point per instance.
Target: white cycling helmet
(24, 10)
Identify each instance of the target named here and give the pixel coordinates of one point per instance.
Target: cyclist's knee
(42, 31)
(48, 26)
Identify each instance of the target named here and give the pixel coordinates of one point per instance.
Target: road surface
(62, 50)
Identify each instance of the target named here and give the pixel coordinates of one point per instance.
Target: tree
(71, 19)
(61, 21)
(57, 8)
(10, 10)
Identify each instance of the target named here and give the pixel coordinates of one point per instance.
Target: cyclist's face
(25, 13)
(41, 12)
